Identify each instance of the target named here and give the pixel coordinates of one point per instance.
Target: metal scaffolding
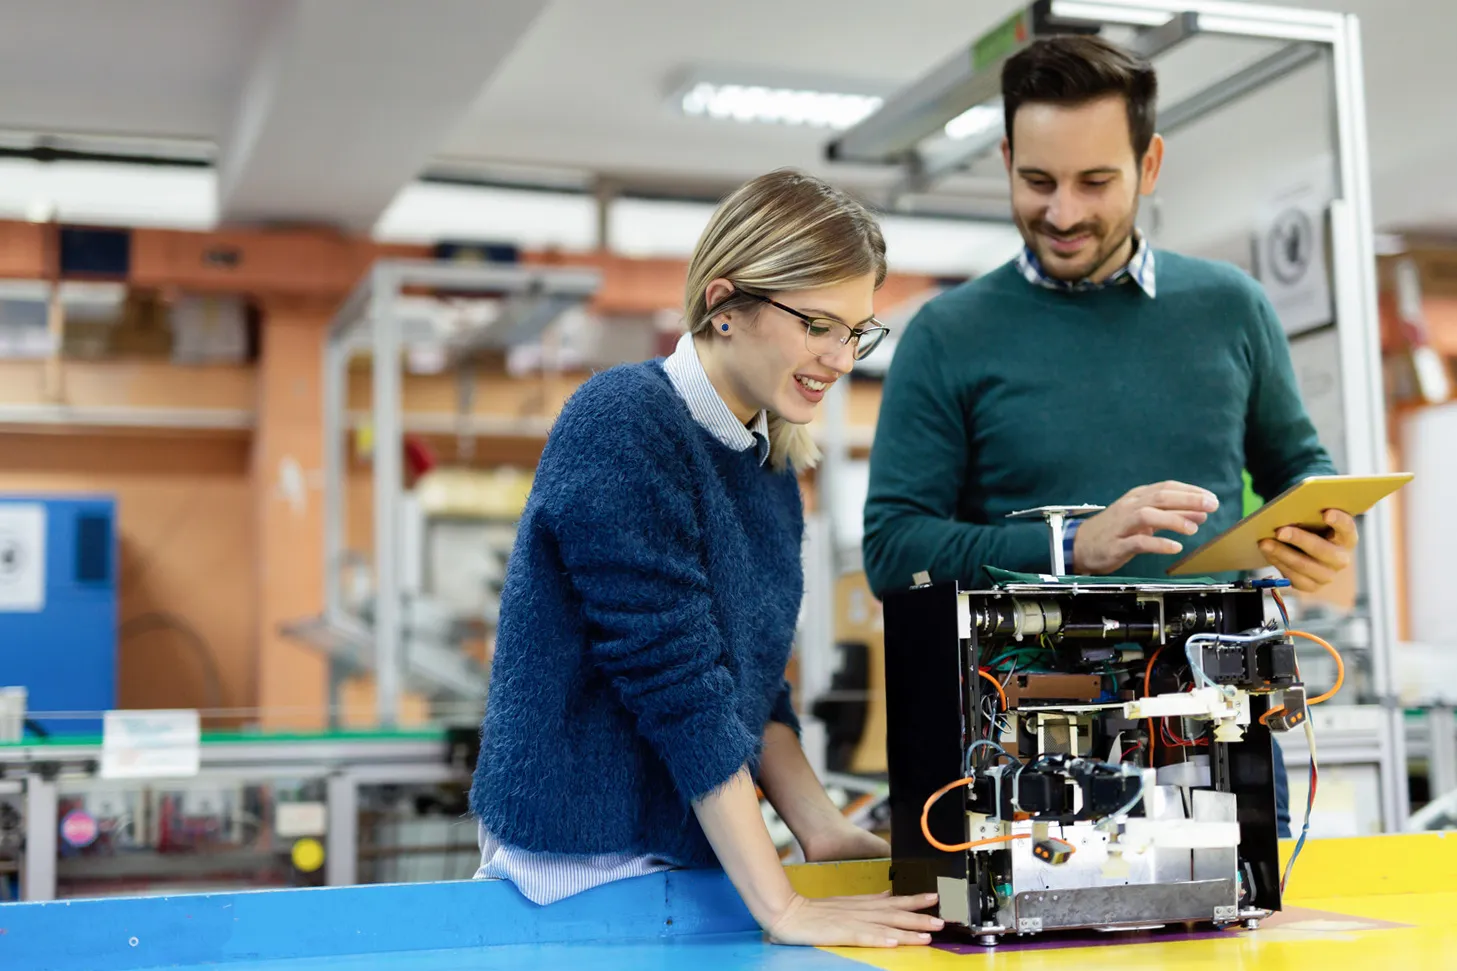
(381, 319)
(908, 133)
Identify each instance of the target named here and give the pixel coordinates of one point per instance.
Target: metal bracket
(1029, 925)
(1056, 518)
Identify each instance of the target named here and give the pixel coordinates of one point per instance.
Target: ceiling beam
(348, 100)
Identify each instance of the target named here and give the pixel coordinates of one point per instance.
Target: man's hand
(1125, 529)
(1310, 561)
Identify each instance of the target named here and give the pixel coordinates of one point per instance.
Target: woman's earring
(725, 328)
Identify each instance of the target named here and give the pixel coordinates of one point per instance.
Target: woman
(638, 690)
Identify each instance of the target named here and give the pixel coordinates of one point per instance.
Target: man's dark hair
(1073, 69)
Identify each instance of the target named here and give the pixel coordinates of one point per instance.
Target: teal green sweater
(1004, 395)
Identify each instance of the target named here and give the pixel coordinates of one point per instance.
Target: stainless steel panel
(1215, 807)
(1124, 906)
(1089, 864)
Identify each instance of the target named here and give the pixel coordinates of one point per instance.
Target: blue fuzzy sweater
(646, 621)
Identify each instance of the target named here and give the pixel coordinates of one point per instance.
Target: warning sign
(22, 557)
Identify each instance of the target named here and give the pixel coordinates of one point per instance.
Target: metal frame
(894, 136)
(344, 765)
(373, 321)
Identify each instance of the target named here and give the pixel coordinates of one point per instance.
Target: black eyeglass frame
(857, 334)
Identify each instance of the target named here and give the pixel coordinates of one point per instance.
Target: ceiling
(322, 110)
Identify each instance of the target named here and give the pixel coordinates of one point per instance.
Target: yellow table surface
(1373, 903)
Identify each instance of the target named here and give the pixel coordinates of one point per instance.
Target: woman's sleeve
(783, 710)
(625, 513)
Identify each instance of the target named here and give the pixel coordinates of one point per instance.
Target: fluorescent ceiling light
(424, 212)
(1110, 12)
(976, 120)
(785, 106)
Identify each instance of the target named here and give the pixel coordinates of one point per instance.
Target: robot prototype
(1081, 755)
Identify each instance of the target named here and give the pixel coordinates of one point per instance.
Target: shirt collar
(685, 372)
(1139, 270)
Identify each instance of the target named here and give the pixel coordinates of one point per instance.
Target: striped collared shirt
(1139, 269)
(691, 382)
(544, 878)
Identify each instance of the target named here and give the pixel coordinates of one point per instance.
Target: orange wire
(1340, 665)
(957, 847)
(1148, 680)
(995, 684)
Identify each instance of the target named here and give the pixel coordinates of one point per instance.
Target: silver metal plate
(1103, 907)
(1089, 866)
(1211, 806)
(953, 904)
(1226, 913)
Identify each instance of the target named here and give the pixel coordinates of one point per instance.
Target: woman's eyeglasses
(823, 335)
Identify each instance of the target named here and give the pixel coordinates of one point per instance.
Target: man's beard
(1104, 244)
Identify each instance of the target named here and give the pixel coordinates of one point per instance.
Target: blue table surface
(730, 952)
(688, 918)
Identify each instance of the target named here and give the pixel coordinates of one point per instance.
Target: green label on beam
(1000, 41)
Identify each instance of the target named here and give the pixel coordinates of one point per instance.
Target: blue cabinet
(58, 607)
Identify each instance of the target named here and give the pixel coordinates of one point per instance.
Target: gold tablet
(1303, 504)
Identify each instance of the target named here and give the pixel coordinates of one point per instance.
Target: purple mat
(1085, 938)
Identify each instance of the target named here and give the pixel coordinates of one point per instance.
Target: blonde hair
(779, 232)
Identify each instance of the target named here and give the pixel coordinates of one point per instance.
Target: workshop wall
(186, 574)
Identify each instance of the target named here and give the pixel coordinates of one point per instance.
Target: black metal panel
(1252, 771)
(924, 735)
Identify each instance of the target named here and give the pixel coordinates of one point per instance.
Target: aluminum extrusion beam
(1150, 43)
(889, 136)
(1287, 60)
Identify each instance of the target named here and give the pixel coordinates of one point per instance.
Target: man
(1089, 370)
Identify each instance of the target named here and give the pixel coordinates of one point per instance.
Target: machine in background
(1065, 755)
(58, 607)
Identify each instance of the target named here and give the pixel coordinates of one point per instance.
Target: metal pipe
(39, 873)
(341, 840)
(1363, 396)
(1222, 93)
(336, 358)
(388, 481)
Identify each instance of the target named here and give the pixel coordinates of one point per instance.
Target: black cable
(161, 620)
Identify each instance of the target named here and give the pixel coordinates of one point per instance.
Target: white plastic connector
(1228, 714)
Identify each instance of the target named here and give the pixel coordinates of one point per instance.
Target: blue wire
(1304, 830)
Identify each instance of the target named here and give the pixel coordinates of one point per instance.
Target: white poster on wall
(22, 557)
(1316, 358)
(1291, 251)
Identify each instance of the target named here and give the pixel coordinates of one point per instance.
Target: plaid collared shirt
(1138, 269)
